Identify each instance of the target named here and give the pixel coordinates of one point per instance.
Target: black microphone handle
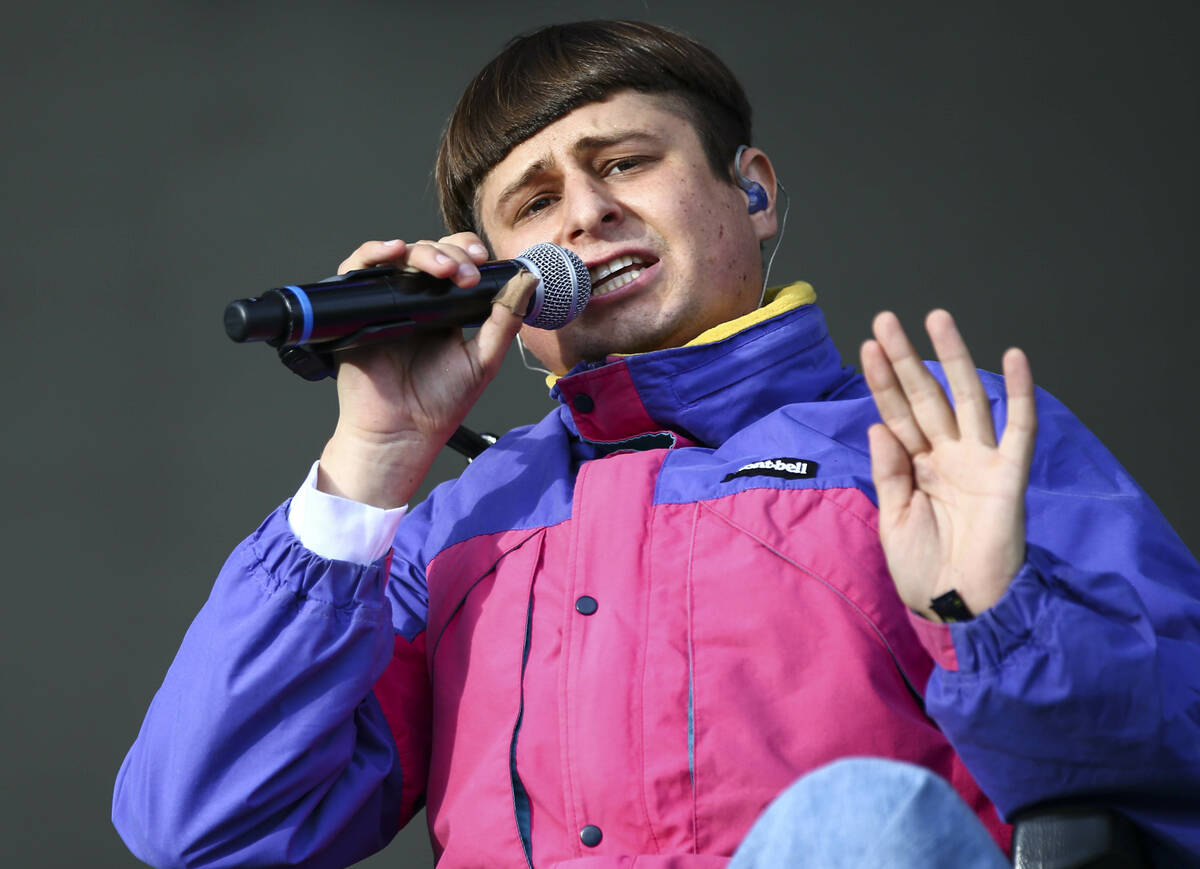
(337, 308)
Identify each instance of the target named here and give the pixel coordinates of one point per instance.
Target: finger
(496, 334)
(891, 470)
(1020, 430)
(471, 243)
(971, 408)
(890, 399)
(444, 260)
(924, 394)
(373, 253)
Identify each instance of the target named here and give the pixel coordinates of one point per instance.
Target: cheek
(728, 255)
(725, 235)
(711, 216)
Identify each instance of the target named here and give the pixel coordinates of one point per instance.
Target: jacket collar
(712, 387)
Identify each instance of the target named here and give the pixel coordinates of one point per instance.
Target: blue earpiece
(754, 190)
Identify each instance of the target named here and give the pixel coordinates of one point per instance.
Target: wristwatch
(949, 607)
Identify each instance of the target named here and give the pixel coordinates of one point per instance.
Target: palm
(420, 386)
(951, 500)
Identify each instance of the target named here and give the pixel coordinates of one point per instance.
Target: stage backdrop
(1030, 168)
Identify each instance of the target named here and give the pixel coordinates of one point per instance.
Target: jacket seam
(275, 587)
(691, 645)
(467, 593)
(879, 634)
(642, 704)
(570, 799)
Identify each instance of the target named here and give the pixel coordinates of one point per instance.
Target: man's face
(625, 184)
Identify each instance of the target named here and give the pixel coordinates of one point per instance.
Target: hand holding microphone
(380, 303)
(405, 382)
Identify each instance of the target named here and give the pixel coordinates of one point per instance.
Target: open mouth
(617, 272)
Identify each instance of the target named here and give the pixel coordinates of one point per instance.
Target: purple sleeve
(1083, 682)
(265, 745)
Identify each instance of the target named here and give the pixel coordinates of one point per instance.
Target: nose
(590, 208)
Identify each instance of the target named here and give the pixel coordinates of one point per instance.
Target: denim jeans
(869, 812)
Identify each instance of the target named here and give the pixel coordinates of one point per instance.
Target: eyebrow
(582, 145)
(534, 169)
(593, 143)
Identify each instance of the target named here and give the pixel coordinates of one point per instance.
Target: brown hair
(544, 75)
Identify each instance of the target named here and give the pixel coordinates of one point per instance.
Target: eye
(624, 164)
(535, 205)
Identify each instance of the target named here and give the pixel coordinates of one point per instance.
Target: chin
(594, 348)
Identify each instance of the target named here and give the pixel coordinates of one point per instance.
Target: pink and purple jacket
(645, 616)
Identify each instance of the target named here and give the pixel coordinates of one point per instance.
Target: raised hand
(951, 500)
(399, 402)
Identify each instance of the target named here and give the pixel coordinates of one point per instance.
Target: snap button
(591, 835)
(586, 605)
(583, 403)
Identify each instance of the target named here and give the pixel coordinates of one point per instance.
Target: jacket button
(586, 605)
(590, 835)
(583, 403)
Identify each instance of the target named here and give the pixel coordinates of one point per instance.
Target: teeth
(617, 282)
(603, 270)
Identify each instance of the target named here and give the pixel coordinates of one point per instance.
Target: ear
(755, 166)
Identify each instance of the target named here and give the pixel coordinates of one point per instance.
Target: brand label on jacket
(786, 467)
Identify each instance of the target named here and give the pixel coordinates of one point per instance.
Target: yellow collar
(777, 301)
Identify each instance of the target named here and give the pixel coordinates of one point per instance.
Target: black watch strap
(950, 608)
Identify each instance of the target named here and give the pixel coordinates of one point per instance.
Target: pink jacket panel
(692, 608)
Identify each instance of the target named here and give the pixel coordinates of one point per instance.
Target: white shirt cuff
(338, 528)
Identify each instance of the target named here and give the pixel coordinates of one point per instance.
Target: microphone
(384, 303)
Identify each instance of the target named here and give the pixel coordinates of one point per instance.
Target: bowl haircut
(542, 76)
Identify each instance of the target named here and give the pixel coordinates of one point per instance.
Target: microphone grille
(564, 289)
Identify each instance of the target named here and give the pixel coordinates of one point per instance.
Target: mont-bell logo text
(788, 468)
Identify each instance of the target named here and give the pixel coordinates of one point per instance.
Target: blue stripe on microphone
(306, 309)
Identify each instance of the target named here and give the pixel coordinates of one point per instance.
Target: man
(624, 630)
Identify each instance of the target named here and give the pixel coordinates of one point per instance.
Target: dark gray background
(1030, 166)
